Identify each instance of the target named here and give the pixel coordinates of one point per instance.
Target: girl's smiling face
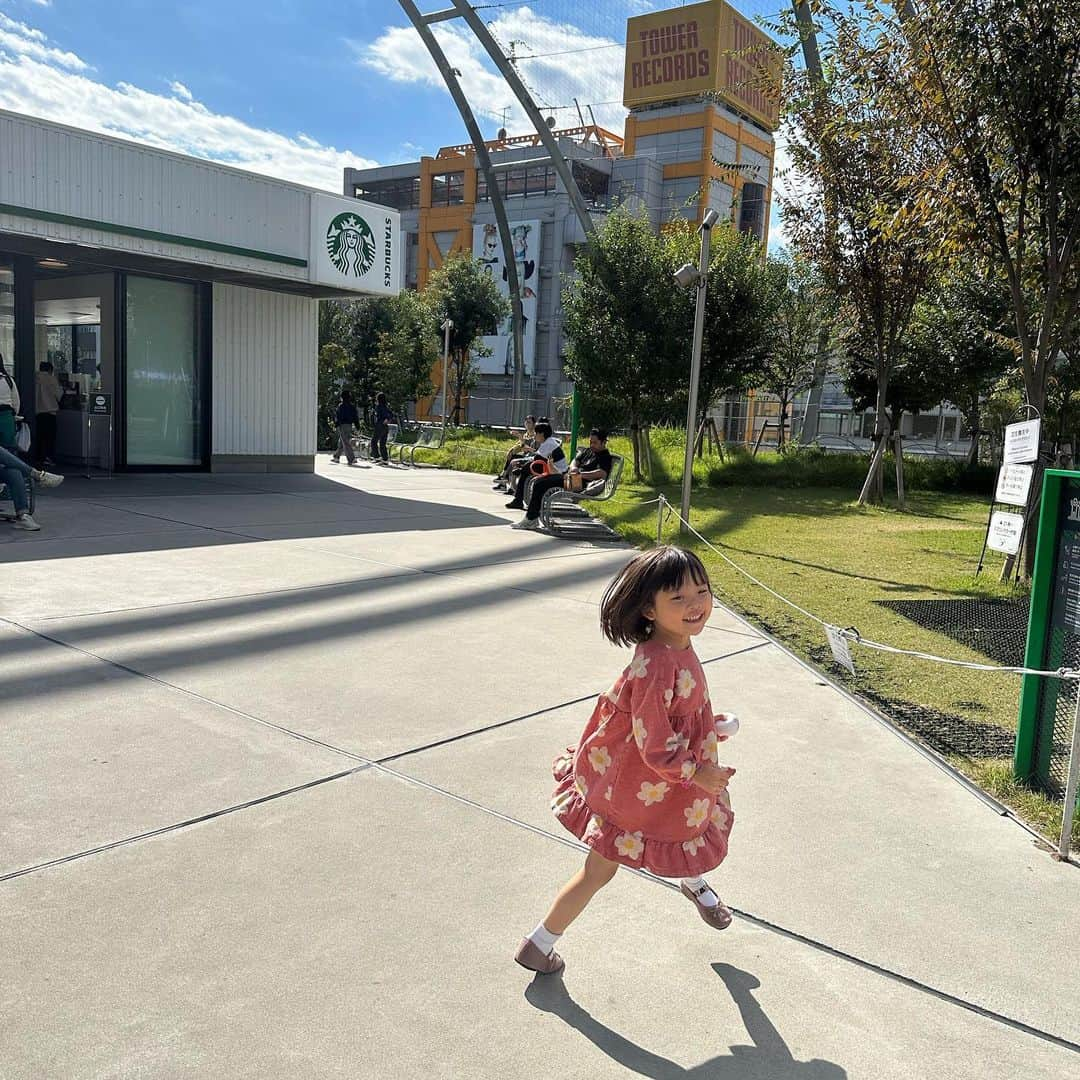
(681, 613)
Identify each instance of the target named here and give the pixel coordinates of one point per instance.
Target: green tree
(627, 323)
(800, 333)
(461, 291)
(355, 325)
(333, 370)
(740, 305)
(994, 85)
(407, 352)
(848, 208)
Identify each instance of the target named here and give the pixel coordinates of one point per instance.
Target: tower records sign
(355, 245)
(702, 48)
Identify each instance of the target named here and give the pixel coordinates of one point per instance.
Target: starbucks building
(176, 299)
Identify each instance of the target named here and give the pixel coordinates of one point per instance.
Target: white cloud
(588, 67)
(18, 39)
(41, 80)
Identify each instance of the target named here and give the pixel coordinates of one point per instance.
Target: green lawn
(815, 546)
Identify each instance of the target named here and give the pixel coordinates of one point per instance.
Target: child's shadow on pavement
(768, 1059)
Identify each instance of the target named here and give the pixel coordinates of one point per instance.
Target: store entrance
(75, 342)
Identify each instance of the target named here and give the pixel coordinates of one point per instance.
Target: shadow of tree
(767, 1059)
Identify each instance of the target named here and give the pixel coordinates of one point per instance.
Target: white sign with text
(355, 245)
(1005, 532)
(1022, 442)
(1014, 484)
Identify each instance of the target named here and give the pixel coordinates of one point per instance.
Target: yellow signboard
(702, 48)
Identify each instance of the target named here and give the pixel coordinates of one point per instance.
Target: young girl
(644, 787)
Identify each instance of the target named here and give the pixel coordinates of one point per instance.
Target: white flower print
(596, 823)
(630, 845)
(640, 733)
(668, 695)
(639, 667)
(709, 748)
(675, 741)
(719, 817)
(607, 794)
(651, 793)
(582, 787)
(691, 847)
(697, 814)
(599, 759)
(688, 769)
(685, 683)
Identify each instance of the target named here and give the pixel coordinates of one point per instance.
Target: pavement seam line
(765, 924)
(177, 825)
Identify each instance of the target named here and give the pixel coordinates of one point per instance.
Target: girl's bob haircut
(635, 587)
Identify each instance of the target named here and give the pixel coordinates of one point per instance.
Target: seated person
(549, 449)
(522, 448)
(591, 467)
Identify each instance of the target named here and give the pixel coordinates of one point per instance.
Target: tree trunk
(783, 424)
(873, 486)
(635, 445)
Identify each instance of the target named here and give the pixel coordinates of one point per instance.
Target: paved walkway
(274, 779)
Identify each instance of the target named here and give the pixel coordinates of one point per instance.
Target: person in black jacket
(384, 416)
(345, 420)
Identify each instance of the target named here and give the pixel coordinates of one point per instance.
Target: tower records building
(698, 135)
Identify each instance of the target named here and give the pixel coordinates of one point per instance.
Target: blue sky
(297, 88)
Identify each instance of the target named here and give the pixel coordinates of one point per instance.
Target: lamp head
(687, 275)
(710, 219)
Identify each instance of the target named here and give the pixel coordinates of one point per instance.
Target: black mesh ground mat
(996, 628)
(945, 732)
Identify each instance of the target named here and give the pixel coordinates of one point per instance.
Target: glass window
(401, 194)
(448, 189)
(723, 148)
(671, 146)
(681, 198)
(592, 183)
(7, 316)
(164, 382)
(755, 166)
(721, 196)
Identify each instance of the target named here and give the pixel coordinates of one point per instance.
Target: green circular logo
(351, 244)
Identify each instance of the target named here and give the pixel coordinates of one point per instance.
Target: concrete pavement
(274, 773)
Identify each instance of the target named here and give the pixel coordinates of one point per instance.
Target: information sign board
(100, 405)
(1005, 532)
(1022, 442)
(1013, 484)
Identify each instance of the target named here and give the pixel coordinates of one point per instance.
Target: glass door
(7, 316)
(165, 380)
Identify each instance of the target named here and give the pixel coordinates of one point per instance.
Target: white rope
(852, 634)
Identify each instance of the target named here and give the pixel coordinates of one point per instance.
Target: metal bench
(362, 443)
(431, 438)
(561, 512)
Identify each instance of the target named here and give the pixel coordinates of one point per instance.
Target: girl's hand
(713, 778)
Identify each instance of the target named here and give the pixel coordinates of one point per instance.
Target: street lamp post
(689, 277)
(445, 326)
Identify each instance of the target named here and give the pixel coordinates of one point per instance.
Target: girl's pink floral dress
(628, 788)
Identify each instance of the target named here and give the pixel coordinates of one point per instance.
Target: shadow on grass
(767, 1059)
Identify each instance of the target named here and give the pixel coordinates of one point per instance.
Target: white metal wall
(61, 170)
(265, 372)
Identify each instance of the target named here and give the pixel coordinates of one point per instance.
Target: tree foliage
(626, 322)
(407, 352)
(459, 290)
(847, 206)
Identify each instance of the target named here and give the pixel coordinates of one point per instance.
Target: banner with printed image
(488, 249)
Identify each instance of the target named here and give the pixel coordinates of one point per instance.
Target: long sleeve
(662, 749)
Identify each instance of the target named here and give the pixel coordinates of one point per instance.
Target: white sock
(708, 898)
(544, 939)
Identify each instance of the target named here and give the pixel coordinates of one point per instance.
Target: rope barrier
(852, 634)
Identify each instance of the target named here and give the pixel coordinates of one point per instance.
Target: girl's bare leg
(578, 891)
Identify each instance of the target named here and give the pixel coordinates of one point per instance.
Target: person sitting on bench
(592, 465)
(549, 450)
(521, 449)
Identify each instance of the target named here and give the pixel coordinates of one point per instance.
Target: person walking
(346, 419)
(13, 470)
(644, 787)
(47, 395)
(384, 416)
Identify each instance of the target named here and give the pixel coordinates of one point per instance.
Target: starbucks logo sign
(351, 244)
